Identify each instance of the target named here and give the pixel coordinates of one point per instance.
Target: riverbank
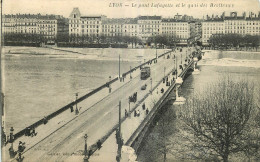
(231, 51)
(105, 54)
(234, 49)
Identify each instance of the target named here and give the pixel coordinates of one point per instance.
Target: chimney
(208, 17)
(244, 14)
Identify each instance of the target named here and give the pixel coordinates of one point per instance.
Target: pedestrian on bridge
(12, 153)
(76, 111)
(71, 109)
(138, 113)
(21, 148)
(143, 106)
(28, 131)
(3, 137)
(147, 111)
(162, 90)
(126, 114)
(99, 144)
(33, 133)
(45, 120)
(135, 113)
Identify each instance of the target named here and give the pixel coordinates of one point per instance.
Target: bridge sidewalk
(43, 131)
(108, 152)
(54, 124)
(109, 148)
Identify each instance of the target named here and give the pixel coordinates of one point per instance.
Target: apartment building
(179, 28)
(230, 24)
(89, 26)
(211, 27)
(113, 27)
(130, 28)
(50, 25)
(20, 23)
(142, 26)
(148, 26)
(46, 25)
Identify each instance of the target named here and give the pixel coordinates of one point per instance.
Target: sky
(131, 8)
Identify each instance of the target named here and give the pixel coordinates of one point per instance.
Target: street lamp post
(129, 109)
(164, 72)
(86, 149)
(156, 52)
(164, 53)
(12, 153)
(181, 58)
(12, 137)
(151, 86)
(119, 70)
(109, 86)
(76, 110)
(130, 72)
(118, 136)
(120, 117)
(176, 72)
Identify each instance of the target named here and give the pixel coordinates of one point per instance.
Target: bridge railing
(66, 107)
(143, 127)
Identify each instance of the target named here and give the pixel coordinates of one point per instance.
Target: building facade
(142, 27)
(178, 28)
(211, 27)
(130, 28)
(232, 24)
(47, 26)
(149, 26)
(89, 27)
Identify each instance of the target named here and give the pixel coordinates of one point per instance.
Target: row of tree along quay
(65, 40)
(237, 41)
(164, 40)
(222, 124)
(90, 41)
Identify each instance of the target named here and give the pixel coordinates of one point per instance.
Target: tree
(159, 143)
(167, 40)
(220, 122)
(255, 41)
(62, 37)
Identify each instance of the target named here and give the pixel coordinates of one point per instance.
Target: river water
(38, 81)
(213, 66)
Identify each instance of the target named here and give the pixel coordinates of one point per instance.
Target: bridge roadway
(96, 121)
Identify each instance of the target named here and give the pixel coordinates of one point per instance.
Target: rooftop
(149, 17)
(173, 20)
(235, 18)
(34, 16)
(120, 21)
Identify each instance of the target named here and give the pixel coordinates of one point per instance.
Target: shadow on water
(162, 127)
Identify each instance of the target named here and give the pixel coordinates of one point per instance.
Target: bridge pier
(196, 71)
(179, 100)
